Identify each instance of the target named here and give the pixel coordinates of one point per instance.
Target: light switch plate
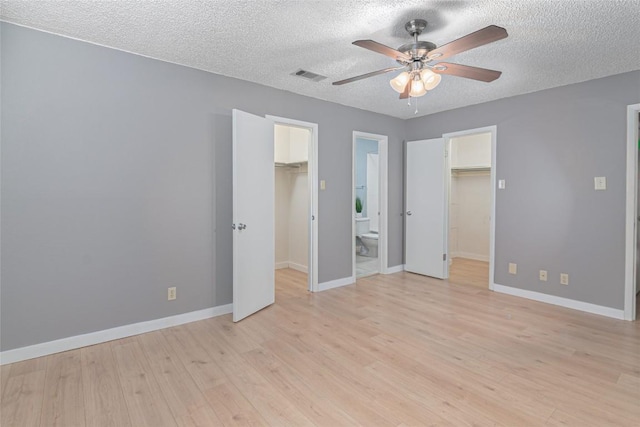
(600, 182)
(513, 268)
(502, 184)
(323, 184)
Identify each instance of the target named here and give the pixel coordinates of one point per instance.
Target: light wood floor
(394, 350)
(463, 271)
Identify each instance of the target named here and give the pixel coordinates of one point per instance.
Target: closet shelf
(290, 165)
(471, 169)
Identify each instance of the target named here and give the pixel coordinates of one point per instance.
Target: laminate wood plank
(466, 271)
(355, 402)
(232, 407)
(184, 399)
(22, 400)
(271, 404)
(317, 409)
(103, 397)
(146, 405)
(203, 369)
(28, 366)
(63, 403)
(5, 371)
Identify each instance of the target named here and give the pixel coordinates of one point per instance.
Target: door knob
(242, 226)
(409, 213)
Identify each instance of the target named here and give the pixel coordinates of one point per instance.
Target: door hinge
(444, 257)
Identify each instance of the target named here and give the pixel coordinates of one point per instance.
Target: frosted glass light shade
(398, 83)
(430, 79)
(417, 88)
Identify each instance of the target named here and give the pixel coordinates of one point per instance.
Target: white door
(426, 209)
(253, 214)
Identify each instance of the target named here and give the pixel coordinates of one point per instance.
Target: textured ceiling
(551, 42)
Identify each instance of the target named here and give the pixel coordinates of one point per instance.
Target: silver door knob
(409, 213)
(242, 226)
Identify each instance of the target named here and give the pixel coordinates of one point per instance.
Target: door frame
(383, 195)
(312, 179)
(631, 213)
(493, 130)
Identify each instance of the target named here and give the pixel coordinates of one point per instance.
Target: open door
(427, 209)
(253, 214)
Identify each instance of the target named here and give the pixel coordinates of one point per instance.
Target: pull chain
(416, 112)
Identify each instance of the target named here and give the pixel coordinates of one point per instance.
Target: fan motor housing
(417, 50)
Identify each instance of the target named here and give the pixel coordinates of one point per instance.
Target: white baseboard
(336, 283)
(563, 302)
(469, 255)
(298, 267)
(291, 265)
(92, 338)
(394, 269)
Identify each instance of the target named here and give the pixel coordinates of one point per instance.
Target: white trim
(631, 213)
(298, 267)
(325, 286)
(562, 302)
(312, 171)
(281, 265)
(92, 338)
(469, 255)
(383, 189)
(394, 269)
(494, 171)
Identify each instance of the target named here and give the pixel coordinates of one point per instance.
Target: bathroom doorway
(369, 203)
(295, 204)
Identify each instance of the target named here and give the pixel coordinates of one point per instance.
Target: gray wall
(550, 146)
(116, 184)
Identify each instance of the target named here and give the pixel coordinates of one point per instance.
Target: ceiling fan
(419, 75)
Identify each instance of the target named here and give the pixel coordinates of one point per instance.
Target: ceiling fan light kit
(418, 75)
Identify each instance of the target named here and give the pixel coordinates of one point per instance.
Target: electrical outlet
(564, 279)
(502, 184)
(171, 293)
(513, 268)
(543, 275)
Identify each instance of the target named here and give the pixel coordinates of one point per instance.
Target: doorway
(295, 202)
(469, 208)
(369, 204)
(632, 222)
(427, 196)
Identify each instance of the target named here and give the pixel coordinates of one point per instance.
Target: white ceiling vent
(308, 75)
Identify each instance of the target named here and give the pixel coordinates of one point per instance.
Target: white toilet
(368, 238)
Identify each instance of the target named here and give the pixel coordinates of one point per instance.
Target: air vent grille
(308, 75)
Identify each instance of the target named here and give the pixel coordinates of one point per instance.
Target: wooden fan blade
(364, 76)
(405, 92)
(385, 50)
(481, 37)
(466, 71)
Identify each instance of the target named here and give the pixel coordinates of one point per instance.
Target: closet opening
(293, 209)
(470, 207)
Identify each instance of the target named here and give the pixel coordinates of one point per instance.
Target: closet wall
(291, 198)
(470, 197)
